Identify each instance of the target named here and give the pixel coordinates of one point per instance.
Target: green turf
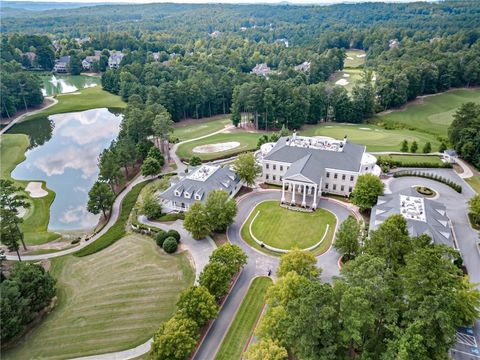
(474, 182)
(374, 137)
(354, 75)
(84, 99)
(355, 61)
(248, 141)
(35, 221)
(432, 114)
(243, 325)
(118, 230)
(430, 159)
(111, 301)
(288, 229)
(201, 127)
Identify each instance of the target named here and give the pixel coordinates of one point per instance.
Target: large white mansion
(308, 166)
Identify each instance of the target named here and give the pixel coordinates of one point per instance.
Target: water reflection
(64, 154)
(61, 84)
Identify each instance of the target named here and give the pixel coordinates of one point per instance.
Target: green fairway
(346, 78)
(288, 229)
(85, 99)
(35, 221)
(374, 137)
(355, 58)
(243, 325)
(248, 141)
(110, 301)
(432, 114)
(430, 159)
(191, 130)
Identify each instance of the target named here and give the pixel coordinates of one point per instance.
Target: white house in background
(304, 67)
(450, 156)
(261, 69)
(215, 34)
(423, 216)
(393, 43)
(115, 59)
(89, 60)
(282, 41)
(196, 185)
(62, 64)
(308, 166)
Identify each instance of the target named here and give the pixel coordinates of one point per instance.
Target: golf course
(110, 301)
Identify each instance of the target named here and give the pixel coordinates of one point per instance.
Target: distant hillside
(10, 6)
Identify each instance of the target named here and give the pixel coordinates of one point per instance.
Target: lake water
(60, 84)
(64, 152)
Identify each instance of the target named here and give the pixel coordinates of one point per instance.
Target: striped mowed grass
(109, 301)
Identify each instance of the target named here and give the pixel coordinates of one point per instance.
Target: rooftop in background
(203, 172)
(319, 142)
(412, 207)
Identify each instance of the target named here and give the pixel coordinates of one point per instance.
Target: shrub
(160, 237)
(175, 234)
(170, 245)
(453, 185)
(195, 161)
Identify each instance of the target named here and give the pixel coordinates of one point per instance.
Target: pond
(64, 152)
(60, 84)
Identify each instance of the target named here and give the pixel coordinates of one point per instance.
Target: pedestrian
(269, 272)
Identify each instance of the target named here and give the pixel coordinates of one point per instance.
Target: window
(281, 167)
(351, 177)
(334, 187)
(342, 188)
(267, 166)
(343, 177)
(274, 177)
(274, 167)
(266, 176)
(328, 174)
(326, 186)
(350, 189)
(281, 178)
(366, 168)
(335, 175)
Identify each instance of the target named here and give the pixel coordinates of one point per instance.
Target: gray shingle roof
(224, 178)
(436, 223)
(313, 167)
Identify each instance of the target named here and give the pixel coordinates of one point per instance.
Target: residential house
(62, 64)
(115, 59)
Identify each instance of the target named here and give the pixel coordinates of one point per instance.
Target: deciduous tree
(247, 168)
(221, 210)
(266, 349)
(347, 241)
(175, 339)
(367, 190)
(198, 304)
(197, 221)
(302, 262)
(100, 198)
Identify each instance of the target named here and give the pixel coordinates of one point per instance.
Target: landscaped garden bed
(426, 191)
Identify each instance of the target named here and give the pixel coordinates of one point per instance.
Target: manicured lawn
(433, 114)
(374, 137)
(354, 58)
(118, 230)
(243, 325)
(35, 222)
(248, 141)
(474, 182)
(186, 131)
(430, 159)
(288, 229)
(110, 301)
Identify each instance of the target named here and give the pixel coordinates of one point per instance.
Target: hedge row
(117, 231)
(414, 164)
(448, 182)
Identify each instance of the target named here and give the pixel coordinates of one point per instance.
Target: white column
(304, 194)
(314, 205)
(293, 194)
(283, 191)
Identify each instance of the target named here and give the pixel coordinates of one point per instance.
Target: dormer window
(187, 195)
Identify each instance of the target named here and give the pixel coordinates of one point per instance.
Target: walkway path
(28, 113)
(181, 167)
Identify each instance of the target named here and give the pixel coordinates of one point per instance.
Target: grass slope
(430, 159)
(287, 229)
(35, 222)
(110, 301)
(352, 76)
(432, 114)
(243, 325)
(248, 141)
(117, 231)
(374, 137)
(474, 182)
(191, 130)
(354, 58)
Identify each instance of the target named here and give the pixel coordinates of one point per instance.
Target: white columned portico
(293, 193)
(304, 195)
(283, 191)
(314, 205)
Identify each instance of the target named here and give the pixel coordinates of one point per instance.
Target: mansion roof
(424, 216)
(311, 156)
(202, 180)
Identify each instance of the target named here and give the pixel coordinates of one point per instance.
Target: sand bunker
(342, 82)
(34, 188)
(346, 75)
(365, 129)
(349, 58)
(213, 148)
(361, 55)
